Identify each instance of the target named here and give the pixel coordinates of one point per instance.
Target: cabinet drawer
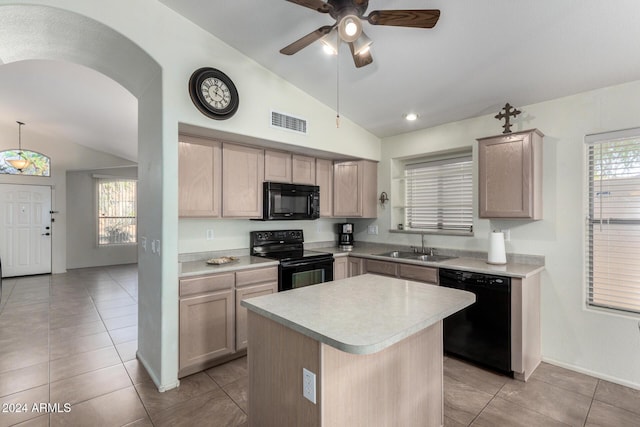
(259, 275)
(419, 273)
(199, 285)
(381, 267)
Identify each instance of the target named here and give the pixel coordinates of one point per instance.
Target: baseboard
(589, 372)
(161, 387)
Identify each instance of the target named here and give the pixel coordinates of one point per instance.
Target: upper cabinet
(284, 167)
(355, 185)
(242, 176)
(304, 170)
(510, 175)
(324, 180)
(277, 166)
(199, 177)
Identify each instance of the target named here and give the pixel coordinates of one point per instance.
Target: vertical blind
(117, 211)
(439, 195)
(613, 220)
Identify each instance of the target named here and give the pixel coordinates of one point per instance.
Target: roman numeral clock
(213, 93)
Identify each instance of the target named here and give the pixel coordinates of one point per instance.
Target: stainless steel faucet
(424, 250)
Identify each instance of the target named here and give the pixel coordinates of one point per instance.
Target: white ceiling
(480, 55)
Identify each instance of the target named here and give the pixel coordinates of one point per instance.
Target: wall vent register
(288, 122)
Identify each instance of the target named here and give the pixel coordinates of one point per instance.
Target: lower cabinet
(340, 268)
(213, 325)
(384, 268)
(413, 272)
(355, 266)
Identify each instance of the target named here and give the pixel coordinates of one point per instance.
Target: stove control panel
(276, 236)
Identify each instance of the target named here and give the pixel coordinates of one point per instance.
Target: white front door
(25, 229)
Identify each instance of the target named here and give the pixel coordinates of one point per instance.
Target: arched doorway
(40, 32)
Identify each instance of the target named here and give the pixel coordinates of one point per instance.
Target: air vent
(288, 122)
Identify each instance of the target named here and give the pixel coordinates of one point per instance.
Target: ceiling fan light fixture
(362, 44)
(350, 28)
(20, 162)
(330, 42)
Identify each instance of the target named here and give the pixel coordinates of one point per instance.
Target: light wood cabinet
(242, 177)
(249, 284)
(207, 326)
(324, 180)
(418, 273)
(340, 268)
(303, 169)
(355, 266)
(199, 177)
(510, 175)
(526, 350)
(355, 184)
(277, 166)
(385, 268)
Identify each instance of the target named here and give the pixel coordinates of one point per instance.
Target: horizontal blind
(117, 216)
(613, 221)
(439, 195)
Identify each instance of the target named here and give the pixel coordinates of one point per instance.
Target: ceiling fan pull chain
(338, 84)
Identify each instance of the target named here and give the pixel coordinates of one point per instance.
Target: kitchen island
(373, 343)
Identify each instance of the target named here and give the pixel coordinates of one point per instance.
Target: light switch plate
(372, 229)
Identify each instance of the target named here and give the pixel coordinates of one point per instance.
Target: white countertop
(197, 268)
(362, 314)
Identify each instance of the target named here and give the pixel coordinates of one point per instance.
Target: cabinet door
(277, 166)
(242, 176)
(304, 170)
(241, 312)
(509, 176)
(199, 177)
(206, 327)
(347, 200)
(381, 267)
(355, 266)
(324, 179)
(418, 273)
(340, 268)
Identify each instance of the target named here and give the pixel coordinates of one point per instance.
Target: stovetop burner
(283, 245)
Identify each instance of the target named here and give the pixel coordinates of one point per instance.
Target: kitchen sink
(416, 256)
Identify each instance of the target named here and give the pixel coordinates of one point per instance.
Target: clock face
(213, 93)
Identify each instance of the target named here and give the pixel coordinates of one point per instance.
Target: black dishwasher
(480, 333)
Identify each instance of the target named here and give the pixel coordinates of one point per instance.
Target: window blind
(613, 220)
(117, 211)
(439, 195)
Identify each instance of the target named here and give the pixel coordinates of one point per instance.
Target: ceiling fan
(348, 26)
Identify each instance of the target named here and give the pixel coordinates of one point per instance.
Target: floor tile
(127, 350)
(136, 371)
(144, 422)
(605, 415)
(24, 378)
(81, 363)
(229, 372)
(190, 387)
(109, 313)
(73, 320)
(74, 345)
(462, 403)
(114, 303)
(564, 378)
(562, 405)
(24, 357)
(617, 395)
(24, 400)
(130, 333)
(121, 322)
(480, 379)
(500, 412)
(449, 422)
(89, 385)
(41, 421)
(90, 328)
(117, 408)
(214, 409)
(238, 391)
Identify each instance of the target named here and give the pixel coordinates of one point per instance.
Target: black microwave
(290, 201)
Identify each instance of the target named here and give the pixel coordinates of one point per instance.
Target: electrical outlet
(143, 243)
(210, 235)
(372, 229)
(309, 385)
(507, 235)
(158, 247)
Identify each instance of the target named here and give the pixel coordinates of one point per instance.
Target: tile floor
(71, 339)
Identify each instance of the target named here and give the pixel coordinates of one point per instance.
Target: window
(613, 220)
(439, 196)
(116, 211)
(39, 164)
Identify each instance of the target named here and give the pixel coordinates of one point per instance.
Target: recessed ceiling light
(411, 117)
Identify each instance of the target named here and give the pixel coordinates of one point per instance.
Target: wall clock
(213, 93)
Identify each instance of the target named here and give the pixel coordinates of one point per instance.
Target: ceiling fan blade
(405, 18)
(305, 41)
(318, 5)
(360, 59)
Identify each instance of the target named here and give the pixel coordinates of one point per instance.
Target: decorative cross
(506, 115)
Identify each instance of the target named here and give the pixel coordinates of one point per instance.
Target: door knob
(46, 234)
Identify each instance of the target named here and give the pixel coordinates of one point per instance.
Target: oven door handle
(304, 263)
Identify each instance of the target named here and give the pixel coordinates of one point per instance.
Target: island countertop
(362, 314)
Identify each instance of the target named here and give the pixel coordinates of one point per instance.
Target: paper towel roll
(497, 253)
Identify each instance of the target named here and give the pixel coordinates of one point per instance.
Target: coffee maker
(345, 236)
